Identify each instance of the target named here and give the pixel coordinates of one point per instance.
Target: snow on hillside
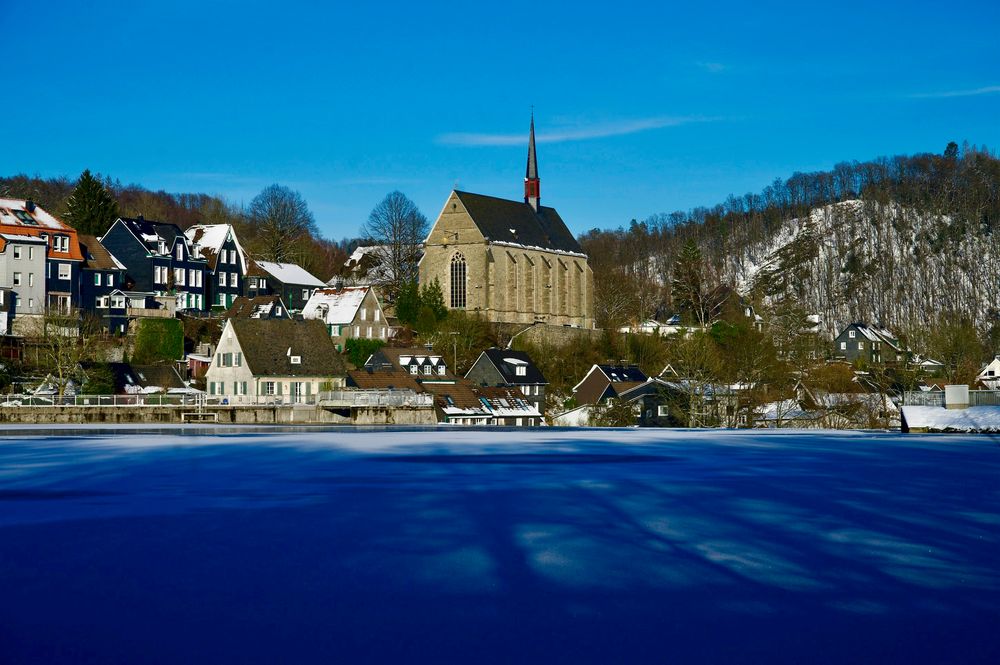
(860, 260)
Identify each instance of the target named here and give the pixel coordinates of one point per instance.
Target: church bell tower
(532, 185)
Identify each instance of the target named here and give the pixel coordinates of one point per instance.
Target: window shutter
(308, 387)
(279, 387)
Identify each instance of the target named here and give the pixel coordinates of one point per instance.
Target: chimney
(29, 205)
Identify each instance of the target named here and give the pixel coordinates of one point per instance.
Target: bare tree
(59, 346)
(399, 228)
(282, 222)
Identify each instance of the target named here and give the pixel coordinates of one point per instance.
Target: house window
(378, 315)
(843, 346)
(17, 252)
(238, 360)
(102, 302)
(97, 279)
(521, 370)
(663, 410)
(64, 271)
(850, 333)
(296, 360)
(269, 387)
(458, 281)
(441, 370)
(31, 279)
(222, 279)
(179, 275)
(232, 279)
(305, 294)
(17, 279)
(427, 369)
(298, 389)
(227, 360)
(413, 369)
(161, 247)
(31, 253)
(118, 302)
(364, 314)
(180, 252)
(357, 331)
(192, 277)
(861, 346)
(198, 275)
(31, 303)
(369, 332)
(111, 280)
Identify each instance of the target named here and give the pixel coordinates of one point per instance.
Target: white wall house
(351, 312)
(274, 361)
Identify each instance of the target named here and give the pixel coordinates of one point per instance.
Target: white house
(350, 312)
(274, 361)
(989, 375)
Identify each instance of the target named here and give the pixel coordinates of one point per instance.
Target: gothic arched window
(458, 281)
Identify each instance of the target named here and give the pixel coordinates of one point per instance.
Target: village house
(259, 307)
(159, 259)
(604, 382)
(292, 282)
(989, 375)
(513, 261)
(101, 276)
(274, 361)
(870, 344)
(514, 369)
(226, 262)
(349, 312)
(34, 236)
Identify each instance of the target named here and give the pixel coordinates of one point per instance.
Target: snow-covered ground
(940, 419)
(263, 546)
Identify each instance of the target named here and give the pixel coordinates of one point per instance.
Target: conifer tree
(686, 286)
(91, 208)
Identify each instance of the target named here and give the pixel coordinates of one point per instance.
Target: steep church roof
(516, 222)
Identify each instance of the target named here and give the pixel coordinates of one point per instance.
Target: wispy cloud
(577, 133)
(987, 90)
(714, 67)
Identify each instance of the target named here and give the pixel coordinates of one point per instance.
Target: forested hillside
(905, 241)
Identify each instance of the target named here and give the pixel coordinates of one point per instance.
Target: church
(512, 261)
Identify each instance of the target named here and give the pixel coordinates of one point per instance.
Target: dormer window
(295, 360)
(850, 334)
(413, 369)
(521, 370)
(161, 248)
(180, 252)
(427, 369)
(441, 370)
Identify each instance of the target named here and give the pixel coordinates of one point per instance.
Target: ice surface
(243, 545)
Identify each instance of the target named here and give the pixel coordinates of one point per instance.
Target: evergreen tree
(686, 286)
(432, 297)
(408, 303)
(91, 208)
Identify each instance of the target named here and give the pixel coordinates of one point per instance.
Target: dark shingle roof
(382, 378)
(95, 256)
(144, 227)
(246, 308)
(508, 370)
(496, 217)
(267, 345)
(623, 373)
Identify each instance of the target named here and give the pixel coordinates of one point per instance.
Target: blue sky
(640, 108)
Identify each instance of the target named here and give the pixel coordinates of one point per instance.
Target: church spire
(532, 185)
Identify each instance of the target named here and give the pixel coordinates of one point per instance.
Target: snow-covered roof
(290, 273)
(20, 237)
(213, 237)
(38, 214)
(335, 306)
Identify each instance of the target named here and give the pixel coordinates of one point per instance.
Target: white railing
(375, 398)
(936, 398)
(335, 398)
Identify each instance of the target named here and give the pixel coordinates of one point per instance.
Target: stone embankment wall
(239, 415)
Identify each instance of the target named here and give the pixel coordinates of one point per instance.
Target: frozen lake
(252, 546)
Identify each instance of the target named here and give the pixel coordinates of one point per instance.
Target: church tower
(532, 185)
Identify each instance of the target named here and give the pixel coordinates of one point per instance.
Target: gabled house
(349, 312)
(871, 344)
(292, 282)
(457, 400)
(30, 231)
(989, 375)
(101, 275)
(274, 361)
(604, 382)
(158, 258)
(507, 368)
(225, 259)
(260, 307)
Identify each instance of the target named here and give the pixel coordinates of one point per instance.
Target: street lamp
(454, 357)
